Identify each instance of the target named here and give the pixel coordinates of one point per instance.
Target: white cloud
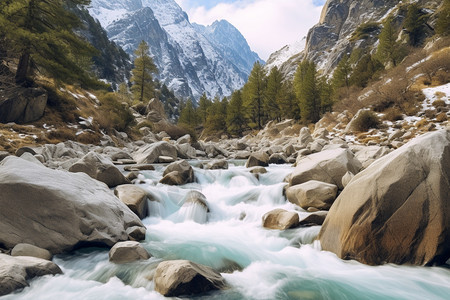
(268, 25)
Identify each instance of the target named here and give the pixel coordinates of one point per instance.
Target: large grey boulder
(16, 271)
(312, 193)
(151, 153)
(100, 168)
(58, 210)
(129, 251)
(31, 250)
(182, 278)
(134, 197)
(178, 173)
(398, 209)
(280, 219)
(195, 207)
(326, 166)
(27, 105)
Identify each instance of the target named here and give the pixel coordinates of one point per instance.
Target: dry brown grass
(442, 117)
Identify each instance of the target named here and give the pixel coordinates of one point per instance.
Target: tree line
(270, 96)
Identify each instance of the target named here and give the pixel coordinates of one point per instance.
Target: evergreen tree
(326, 95)
(217, 113)
(389, 51)
(203, 105)
(341, 76)
(273, 94)
(288, 102)
(123, 93)
(306, 89)
(142, 73)
(41, 34)
(188, 116)
(235, 114)
(414, 24)
(365, 70)
(443, 22)
(254, 94)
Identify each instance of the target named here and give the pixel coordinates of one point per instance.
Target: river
(257, 263)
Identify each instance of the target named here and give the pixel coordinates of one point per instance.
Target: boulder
(314, 219)
(277, 158)
(312, 193)
(258, 170)
(151, 153)
(16, 271)
(280, 219)
(22, 150)
(217, 164)
(397, 210)
(3, 154)
(318, 145)
(258, 159)
(61, 150)
(100, 168)
(327, 166)
(58, 210)
(242, 154)
(347, 178)
(27, 105)
(182, 278)
(129, 251)
(178, 173)
(305, 137)
(30, 250)
(195, 207)
(134, 197)
(185, 139)
(186, 151)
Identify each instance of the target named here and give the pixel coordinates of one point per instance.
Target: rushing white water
(228, 236)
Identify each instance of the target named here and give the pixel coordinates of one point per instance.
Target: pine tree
(443, 22)
(273, 94)
(188, 116)
(41, 34)
(288, 102)
(235, 114)
(142, 73)
(414, 24)
(389, 51)
(203, 105)
(306, 89)
(217, 113)
(365, 70)
(326, 95)
(341, 76)
(254, 94)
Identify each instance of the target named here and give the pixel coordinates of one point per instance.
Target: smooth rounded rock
(280, 219)
(183, 278)
(30, 250)
(312, 193)
(134, 197)
(129, 251)
(258, 159)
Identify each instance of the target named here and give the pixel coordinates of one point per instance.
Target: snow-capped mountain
(191, 59)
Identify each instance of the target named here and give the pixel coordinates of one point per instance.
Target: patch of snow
(87, 121)
(417, 63)
(285, 53)
(441, 92)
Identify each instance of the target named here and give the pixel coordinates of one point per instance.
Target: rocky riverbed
(377, 204)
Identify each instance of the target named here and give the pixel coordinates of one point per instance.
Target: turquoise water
(256, 262)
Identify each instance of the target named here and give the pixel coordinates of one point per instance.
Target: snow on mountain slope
(279, 57)
(189, 61)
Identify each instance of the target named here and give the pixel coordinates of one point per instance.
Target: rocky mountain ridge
(191, 58)
(331, 38)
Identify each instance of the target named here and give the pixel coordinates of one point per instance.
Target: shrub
(114, 115)
(442, 117)
(364, 31)
(439, 103)
(393, 114)
(367, 119)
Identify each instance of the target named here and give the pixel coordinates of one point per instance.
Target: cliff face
(330, 39)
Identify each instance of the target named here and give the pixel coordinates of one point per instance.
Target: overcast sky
(268, 25)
